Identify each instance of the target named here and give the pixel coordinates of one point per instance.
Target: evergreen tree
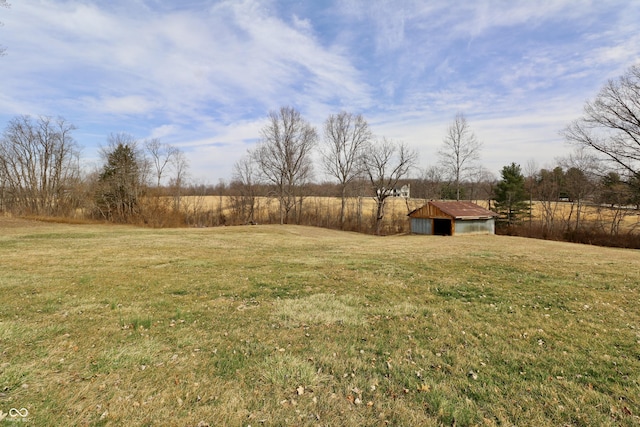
(120, 184)
(634, 190)
(510, 193)
(616, 191)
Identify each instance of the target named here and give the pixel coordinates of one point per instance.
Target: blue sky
(203, 75)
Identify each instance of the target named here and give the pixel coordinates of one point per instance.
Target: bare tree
(39, 161)
(195, 206)
(610, 125)
(429, 184)
(480, 185)
(284, 157)
(531, 176)
(3, 189)
(460, 149)
(161, 156)
(579, 182)
(345, 137)
(385, 162)
(548, 188)
(180, 166)
(245, 174)
(615, 192)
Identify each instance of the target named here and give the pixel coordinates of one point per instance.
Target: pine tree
(511, 196)
(119, 184)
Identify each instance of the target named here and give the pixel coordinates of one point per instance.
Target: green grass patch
(269, 325)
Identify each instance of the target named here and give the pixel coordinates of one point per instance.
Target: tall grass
(271, 325)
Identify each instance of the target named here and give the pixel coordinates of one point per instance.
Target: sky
(203, 75)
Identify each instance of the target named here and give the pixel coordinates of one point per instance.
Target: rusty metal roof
(462, 210)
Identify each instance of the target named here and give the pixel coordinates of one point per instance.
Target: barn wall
(475, 226)
(429, 211)
(421, 226)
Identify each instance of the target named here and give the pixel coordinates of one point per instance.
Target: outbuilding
(451, 218)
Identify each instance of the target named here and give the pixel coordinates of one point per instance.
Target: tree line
(146, 181)
(349, 152)
(41, 174)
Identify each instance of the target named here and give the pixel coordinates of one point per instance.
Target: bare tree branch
(245, 174)
(39, 161)
(610, 125)
(180, 166)
(385, 162)
(161, 156)
(345, 137)
(284, 157)
(460, 149)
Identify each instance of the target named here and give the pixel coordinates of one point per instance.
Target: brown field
(330, 204)
(326, 210)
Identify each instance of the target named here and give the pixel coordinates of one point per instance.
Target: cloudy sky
(203, 75)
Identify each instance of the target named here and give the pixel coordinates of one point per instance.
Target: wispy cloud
(203, 74)
(181, 59)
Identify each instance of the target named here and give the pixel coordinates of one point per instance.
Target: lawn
(286, 325)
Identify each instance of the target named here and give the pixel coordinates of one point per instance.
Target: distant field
(285, 325)
(331, 205)
(398, 208)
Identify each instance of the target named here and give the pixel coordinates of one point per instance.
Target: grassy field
(285, 325)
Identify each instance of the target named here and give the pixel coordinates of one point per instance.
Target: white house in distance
(404, 191)
(452, 218)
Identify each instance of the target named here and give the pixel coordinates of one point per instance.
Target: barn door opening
(442, 227)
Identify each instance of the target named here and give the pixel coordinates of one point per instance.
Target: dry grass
(589, 214)
(319, 309)
(270, 325)
(325, 210)
(316, 209)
